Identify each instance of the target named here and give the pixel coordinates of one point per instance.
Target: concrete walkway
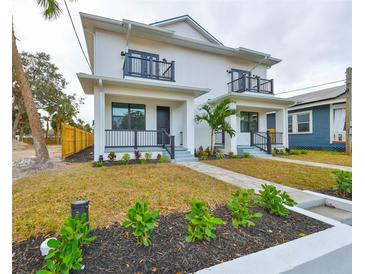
(246, 181)
(307, 163)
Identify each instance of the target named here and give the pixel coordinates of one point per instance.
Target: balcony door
(163, 122)
(239, 85)
(143, 64)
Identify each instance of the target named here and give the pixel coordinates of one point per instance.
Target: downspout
(129, 28)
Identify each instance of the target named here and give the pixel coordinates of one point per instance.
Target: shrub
(202, 224)
(142, 221)
(137, 154)
(126, 157)
(344, 182)
(99, 164)
(273, 200)
(148, 156)
(247, 155)
(164, 159)
(297, 151)
(158, 156)
(239, 206)
(219, 155)
(122, 162)
(112, 156)
(66, 254)
(231, 154)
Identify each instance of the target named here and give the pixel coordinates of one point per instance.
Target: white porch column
(99, 121)
(231, 143)
(189, 127)
(282, 124)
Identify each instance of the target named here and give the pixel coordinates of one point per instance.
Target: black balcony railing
(140, 138)
(251, 84)
(149, 68)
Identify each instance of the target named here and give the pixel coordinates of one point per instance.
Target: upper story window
(249, 121)
(300, 122)
(128, 116)
(148, 65)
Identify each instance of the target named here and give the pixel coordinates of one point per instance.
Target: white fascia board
(87, 82)
(253, 97)
(93, 21)
(321, 103)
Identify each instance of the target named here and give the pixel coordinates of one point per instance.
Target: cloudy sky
(313, 38)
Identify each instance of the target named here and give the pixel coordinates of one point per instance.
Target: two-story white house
(148, 81)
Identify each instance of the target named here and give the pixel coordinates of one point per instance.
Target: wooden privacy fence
(74, 140)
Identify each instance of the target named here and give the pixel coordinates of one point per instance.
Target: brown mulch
(85, 155)
(115, 249)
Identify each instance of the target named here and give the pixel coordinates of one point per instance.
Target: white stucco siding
(192, 67)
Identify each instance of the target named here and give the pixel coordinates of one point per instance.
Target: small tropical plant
(137, 154)
(163, 159)
(202, 224)
(247, 155)
(219, 155)
(142, 221)
(215, 116)
(148, 156)
(122, 162)
(203, 156)
(273, 200)
(126, 157)
(112, 156)
(239, 206)
(65, 254)
(99, 164)
(344, 182)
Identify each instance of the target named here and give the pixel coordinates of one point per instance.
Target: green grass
(320, 156)
(293, 175)
(41, 202)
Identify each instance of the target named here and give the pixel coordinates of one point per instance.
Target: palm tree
(51, 10)
(216, 116)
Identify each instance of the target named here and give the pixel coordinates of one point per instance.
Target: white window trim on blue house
(294, 116)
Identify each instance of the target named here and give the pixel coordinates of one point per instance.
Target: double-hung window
(249, 121)
(300, 123)
(128, 116)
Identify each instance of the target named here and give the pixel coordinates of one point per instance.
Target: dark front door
(240, 85)
(163, 122)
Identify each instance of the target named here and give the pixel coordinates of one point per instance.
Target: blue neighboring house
(317, 120)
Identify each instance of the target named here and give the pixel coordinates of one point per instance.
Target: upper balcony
(248, 83)
(148, 66)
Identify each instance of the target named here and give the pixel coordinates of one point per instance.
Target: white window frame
(295, 122)
(332, 108)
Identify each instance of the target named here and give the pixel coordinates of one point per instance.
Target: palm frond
(50, 8)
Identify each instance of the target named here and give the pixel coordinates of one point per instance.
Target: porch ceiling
(88, 82)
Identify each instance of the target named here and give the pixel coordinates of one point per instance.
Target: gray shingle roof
(319, 95)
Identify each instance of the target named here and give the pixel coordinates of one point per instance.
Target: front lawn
(293, 175)
(41, 202)
(328, 157)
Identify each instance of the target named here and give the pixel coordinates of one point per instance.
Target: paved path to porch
(307, 163)
(246, 181)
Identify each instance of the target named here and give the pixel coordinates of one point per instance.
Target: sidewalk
(307, 163)
(245, 181)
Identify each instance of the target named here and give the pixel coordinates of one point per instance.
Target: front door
(163, 122)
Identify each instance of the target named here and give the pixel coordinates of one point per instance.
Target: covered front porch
(260, 121)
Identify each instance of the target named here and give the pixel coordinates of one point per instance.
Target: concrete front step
(181, 155)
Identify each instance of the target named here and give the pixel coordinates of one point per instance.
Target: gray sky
(313, 38)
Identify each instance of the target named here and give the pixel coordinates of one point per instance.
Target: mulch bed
(85, 155)
(116, 251)
(334, 192)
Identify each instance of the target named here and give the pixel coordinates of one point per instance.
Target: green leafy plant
(112, 156)
(164, 159)
(297, 151)
(239, 206)
(122, 162)
(247, 155)
(202, 224)
(126, 157)
(148, 156)
(99, 164)
(273, 200)
(231, 154)
(142, 221)
(66, 254)
(219, 155)
(344, 182)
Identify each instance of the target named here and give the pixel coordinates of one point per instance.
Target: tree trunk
(58, 133)
(348, 111)
(21, 133)
(16, 123)
(211, 142)
(47, 129)
(39, 142)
